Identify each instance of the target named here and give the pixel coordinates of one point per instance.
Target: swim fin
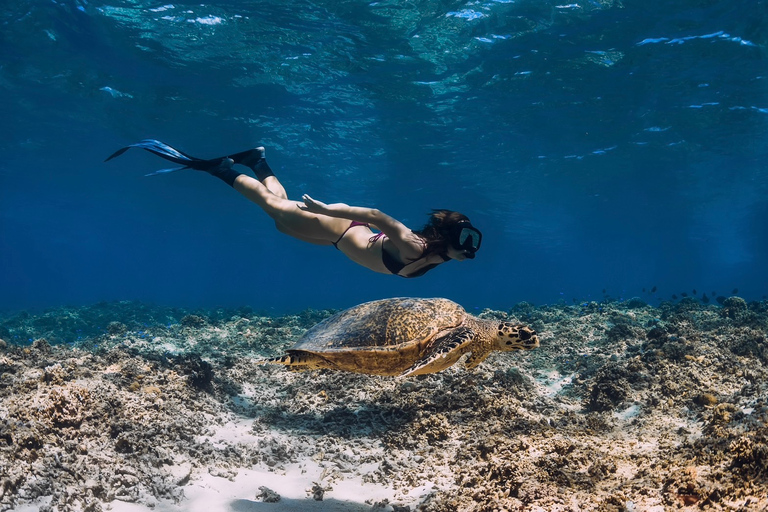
(163, 150)
(255, 160)
(249, 158)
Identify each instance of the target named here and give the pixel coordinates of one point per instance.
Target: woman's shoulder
(411, 247)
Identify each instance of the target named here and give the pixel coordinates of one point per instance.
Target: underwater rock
(620, 332)
(611, 388)
(750, 454)
(199, 372)
(193, 321)
(318, 491)
(705, 399)
(657, 334)
(117, 328)
(734, 307)
(42, 346)
(751, 343)
(267, 495)
(735, 303)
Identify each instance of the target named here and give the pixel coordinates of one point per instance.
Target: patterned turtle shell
(387, 323)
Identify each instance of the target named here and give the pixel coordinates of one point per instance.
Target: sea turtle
(403, 336)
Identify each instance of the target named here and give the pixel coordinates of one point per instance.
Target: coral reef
(623, 407)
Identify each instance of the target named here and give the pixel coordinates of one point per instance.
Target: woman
(395, 249)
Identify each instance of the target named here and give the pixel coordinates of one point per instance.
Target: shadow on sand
(371, 419)
(289, 505)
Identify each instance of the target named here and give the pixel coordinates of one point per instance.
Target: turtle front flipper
(477, 357)
(443, 352)
(299, 361)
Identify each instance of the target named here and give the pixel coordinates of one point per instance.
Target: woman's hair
(436, 231)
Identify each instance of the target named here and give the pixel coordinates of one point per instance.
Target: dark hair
(436, 232)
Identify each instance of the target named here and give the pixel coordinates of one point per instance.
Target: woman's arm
(409, 244)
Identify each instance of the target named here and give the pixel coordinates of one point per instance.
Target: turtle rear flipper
(443, 352)
(298, 361)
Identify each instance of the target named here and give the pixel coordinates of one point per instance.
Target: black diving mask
(465, 237)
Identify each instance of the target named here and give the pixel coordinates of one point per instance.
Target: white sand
(208, 493)
(238, 489)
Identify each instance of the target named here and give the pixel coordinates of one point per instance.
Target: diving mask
(465, 237)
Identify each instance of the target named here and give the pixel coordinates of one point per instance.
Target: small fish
(694, 291)
(643, 290)
(720, 299)
(603, 290)
(704, 298)
(684, 294)
(674, 297)
(735, 291)
(653, 290)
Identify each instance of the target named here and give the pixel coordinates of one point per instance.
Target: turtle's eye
(532, 341)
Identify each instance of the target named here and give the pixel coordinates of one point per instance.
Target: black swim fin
(249, 158)
(163, 150)
(255, 160)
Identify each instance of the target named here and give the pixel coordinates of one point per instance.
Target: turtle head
(515, 337)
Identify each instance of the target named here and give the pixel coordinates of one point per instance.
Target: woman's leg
(256, 161)
(274, 186)
(267, 192)
(299, 236)
(288, 217)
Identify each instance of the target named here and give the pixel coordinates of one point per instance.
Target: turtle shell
(384, 336)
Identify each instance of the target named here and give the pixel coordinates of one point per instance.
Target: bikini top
(396, 266)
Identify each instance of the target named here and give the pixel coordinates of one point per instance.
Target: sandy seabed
(624, 407)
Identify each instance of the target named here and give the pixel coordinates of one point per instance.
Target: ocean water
(603, 147)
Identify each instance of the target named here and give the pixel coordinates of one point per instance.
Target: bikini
(351, 225)
(393, 265)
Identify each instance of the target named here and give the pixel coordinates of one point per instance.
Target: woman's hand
(311, 205)
(315, 206)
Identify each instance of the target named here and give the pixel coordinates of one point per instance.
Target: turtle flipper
(477, 357)
(298, 361)
(443, 352)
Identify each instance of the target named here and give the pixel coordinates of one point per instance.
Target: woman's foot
(249, 158)
(224, 164)
(255, 160)
(223, 170)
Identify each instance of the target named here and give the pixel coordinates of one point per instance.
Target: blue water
(599, 145)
